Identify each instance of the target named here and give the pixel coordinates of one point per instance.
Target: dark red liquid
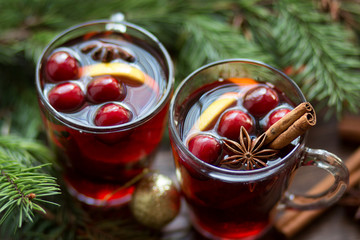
(229, 206)
(98, 163)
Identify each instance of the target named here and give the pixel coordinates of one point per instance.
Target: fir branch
(256, 22)
(206, 40)
(24, 185)
(26, 152)
(76, 221)
(310, 40)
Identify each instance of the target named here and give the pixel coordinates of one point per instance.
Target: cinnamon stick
(298, 128)
(292, 125)
(293, 221)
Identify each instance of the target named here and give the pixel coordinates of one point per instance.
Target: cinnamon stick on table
(293, 221)
(289, 127)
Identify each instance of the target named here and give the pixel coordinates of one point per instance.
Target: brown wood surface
(335, 223)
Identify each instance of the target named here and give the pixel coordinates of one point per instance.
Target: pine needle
(23, 180)
(206, 40)
(330, 61)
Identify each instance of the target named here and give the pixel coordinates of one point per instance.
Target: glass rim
(108, 129)
(180, 144)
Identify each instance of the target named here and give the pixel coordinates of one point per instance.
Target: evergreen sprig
(24, 183)
(323, 50)
(75, 221)
(201, 44)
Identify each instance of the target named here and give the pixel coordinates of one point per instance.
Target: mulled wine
(220, 118)
(104, 96)
(231, 210)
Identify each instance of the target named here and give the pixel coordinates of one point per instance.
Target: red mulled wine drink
(242, 208)
(232, 171)
(104, 92)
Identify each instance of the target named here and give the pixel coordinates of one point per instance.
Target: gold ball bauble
(155, 201)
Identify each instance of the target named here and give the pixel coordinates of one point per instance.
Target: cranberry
(66, 97)
(62, 66)
(205, 147)
(105, 88)
(260, 100)
(112, 114)
(276, 116)
(231, 121)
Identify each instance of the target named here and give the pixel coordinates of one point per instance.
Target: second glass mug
(223, 203)
(99, 161)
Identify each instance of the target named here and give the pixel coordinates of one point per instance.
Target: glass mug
(232, 204)
(100, 158)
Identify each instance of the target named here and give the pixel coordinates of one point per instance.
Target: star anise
(107, 52)
(247, 153)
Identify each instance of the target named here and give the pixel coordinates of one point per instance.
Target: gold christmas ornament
(155, 201)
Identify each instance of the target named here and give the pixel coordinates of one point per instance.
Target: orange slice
(125, 71)
(242, 81)
(211, 113)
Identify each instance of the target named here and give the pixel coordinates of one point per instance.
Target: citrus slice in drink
(214, 110)
(242, 81)
(125, 72)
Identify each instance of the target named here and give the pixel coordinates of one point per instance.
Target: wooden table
(334, 224)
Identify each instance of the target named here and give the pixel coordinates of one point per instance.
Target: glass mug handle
(338, 173)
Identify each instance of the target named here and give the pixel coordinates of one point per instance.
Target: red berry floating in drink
(276, 116)
(61, 66)
(66, 97)
(112, 114)
(260, 100)
(105, 88)
(231, 121)
(205, 147)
